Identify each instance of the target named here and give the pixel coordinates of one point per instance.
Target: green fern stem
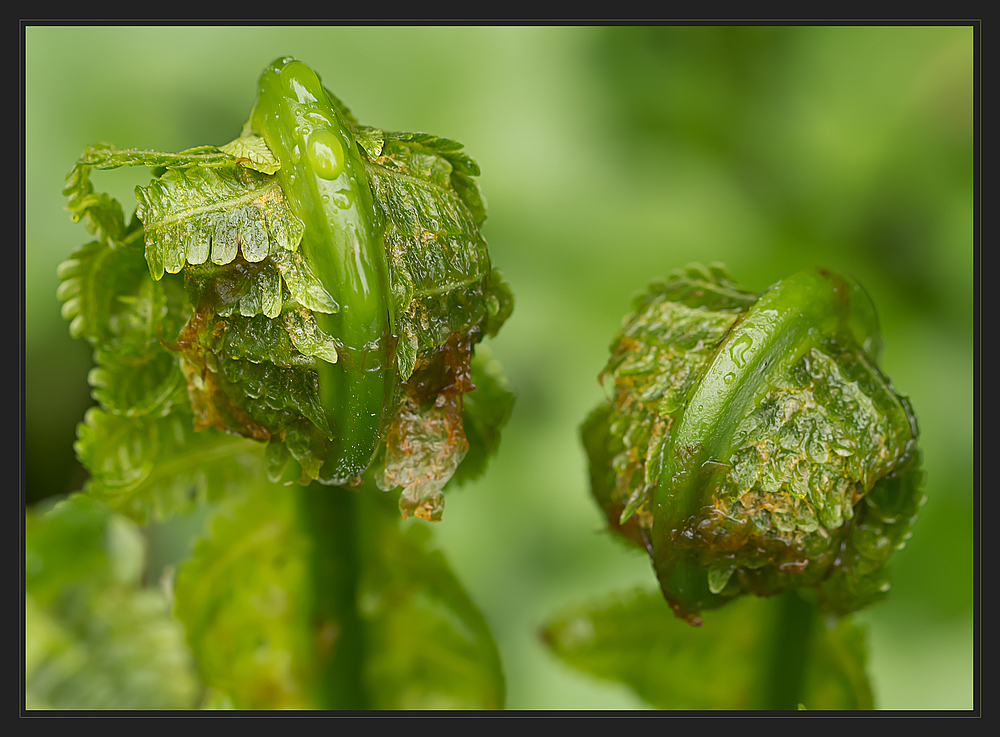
(329, 518)
(794, 626)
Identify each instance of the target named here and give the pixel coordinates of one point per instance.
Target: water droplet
(301, 82)
(718, 577)
(737, 351)
(326, 154)
(818, 452)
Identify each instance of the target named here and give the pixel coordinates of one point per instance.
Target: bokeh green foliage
(635, 638)
(97, 637)
(610, 156)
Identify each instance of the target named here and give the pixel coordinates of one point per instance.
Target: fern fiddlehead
(301, 304)
(752, 445)
(337, 285)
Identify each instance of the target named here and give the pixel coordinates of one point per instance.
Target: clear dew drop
(718, 577)
(737, 352)
(326, 154)
(342, 199)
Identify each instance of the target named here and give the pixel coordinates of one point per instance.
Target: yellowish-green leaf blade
(307, 337)
(245, 600)
(316, 598)
(252, 152)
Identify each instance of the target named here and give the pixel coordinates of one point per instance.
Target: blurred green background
(610, 156)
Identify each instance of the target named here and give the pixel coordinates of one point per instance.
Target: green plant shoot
(750, 445)
(284, 336)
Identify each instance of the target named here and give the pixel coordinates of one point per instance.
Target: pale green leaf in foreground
(95, 638)
(635, 639)
(313, 598)
(243, 596)
(428, 645)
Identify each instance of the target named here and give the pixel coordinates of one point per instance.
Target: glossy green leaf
(195, 215)
(106, 156)
(307, 338)
(253, 152)
(431, 237)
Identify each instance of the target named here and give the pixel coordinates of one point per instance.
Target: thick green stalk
(331, 517)
(790, 651)
(324, 180)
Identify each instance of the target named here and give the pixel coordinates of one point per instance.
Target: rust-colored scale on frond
(426, 439)
(210, 403)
